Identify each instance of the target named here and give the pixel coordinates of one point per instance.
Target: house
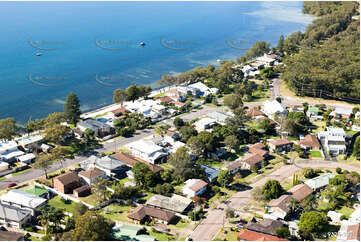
(38, 191)
(249, 235)
(9, 151)
(194, 187)
(11, 236)
(177, 96)
(100, 129)
(92, 174)
(171, 137)
(82, 191)
(252, 160)
(119, 112)
(255, 113)
(349, 231)
(130, 161)
(204, 123)
(249, 70)
(333, 139)
(310, 142)
(176, 203)
(164, 99)
(296, 108)
(235, 166)
(26, 159)
(266, 226)
(23, 200)
(45, 147)
(280, 145)
(334, 216)
(312, 111)
(300, 192)
(267, 60)
(13, 217)
(27, 142)
(148, 151)
(259, 149)
(67, 182)
(144, 212)
(219, 117)
(279, 208)
(131, 233)
(211, 173)
(203, 89)
(341, 113)
(109, 164)
(319, 181)
(273, 108)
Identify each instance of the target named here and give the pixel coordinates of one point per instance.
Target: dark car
(13, 184)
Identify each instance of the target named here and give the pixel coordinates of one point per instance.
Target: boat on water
(39, 54)
(142, 44)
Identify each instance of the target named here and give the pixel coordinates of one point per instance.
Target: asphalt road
(211, 225)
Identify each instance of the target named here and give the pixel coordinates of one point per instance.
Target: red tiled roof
(131, 160)
(257, 146)
(310, 141)
(198, 185)
(282, 202)
(278, 142)
(179, 104)
(142, 211)
(164, 99)
(259, 152)
(234, 165)
(119, 111)
(249, 235)
(353, 232)
(68, 178)
(253, 159)
(300, 191)
(92, 173)
(255, 112)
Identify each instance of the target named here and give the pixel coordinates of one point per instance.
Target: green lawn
(116, 212)
(315, 154)
(182, 223)
(232, 236)
(161, 236)
(57, 203)
(159, 95)
(91, 199)
(21, 172)
(351, 132)
(345, 211)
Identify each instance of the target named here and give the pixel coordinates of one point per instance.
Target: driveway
(210, 226)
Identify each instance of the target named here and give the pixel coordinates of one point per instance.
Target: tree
(61, 153)
(8, 129)
(51, 218)
(119, 96)
(99, 187)
(305, 107)
(72, 109)
(309, 173)
(182, 163)
(44, 162)
(224, 177)
(178, 122)
(233, 101)
(312, 222)
(88, 134)
(283, 232)
(258, 49)
(230, 213)
(257, 194)
(132, 93)
(231, 142)
(92, 226)
(143, 175)
(267, 126)
(279, 99)
(187, 132)
(356, 148)
(53, 119)
(56, 133)
(281, 43)
(196, 146)
(272, 189)
(79, 209)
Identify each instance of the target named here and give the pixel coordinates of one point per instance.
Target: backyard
(58, 203)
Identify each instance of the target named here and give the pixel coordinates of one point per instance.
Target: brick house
(67, 182)
(280, 145)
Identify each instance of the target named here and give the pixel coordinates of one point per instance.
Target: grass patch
(57, 203)
(116, 212)
(21, 172)
(159, 95)
(99, 115)
(91, 199)
(315, 154)
(345, 211)
(182, 223)
(162, 236)
(232, 236)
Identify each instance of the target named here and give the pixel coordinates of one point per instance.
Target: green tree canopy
(272, 189)
(8, 129)
(72, 108)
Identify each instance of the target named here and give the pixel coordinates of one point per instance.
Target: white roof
(201, 86)
(3, 164)
(272, 107)
(13, 154)
(26, 157)
(335, 216)
(147, 147)
(219, 116)
(265, 58)
(335, 130)
(25, 140)
(205, 121)
(22, 198)
(344, 111)
(7, 145)
(319, 181)
(335, 138)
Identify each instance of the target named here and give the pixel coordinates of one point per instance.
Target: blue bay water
(32, 86)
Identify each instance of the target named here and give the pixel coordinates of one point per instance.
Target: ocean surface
(90, 48)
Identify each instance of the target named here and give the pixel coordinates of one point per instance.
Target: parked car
(13, 184)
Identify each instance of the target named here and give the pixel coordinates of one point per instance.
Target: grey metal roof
(13, 213)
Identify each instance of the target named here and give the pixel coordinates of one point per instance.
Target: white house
(204, 90)
(26, 159)
(147, 150)
(333, 139)
(22, 200)
(9, 151)
(319, 181)
(219, 117)
(204, 123)
(194, 187)
(266, 60)
(111, 166)
(13, 217)
(27, 141)
(273, 108)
